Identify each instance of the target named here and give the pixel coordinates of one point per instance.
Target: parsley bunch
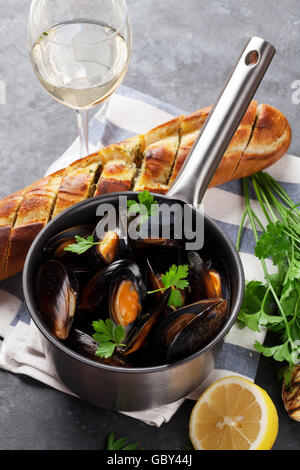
(274, 304)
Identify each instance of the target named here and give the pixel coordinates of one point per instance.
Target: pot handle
(210, 146)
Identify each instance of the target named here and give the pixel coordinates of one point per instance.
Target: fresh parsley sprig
(120, 444)
(146, 207)
(274, 304)
(82, 244)
(108, 337)
(175, 278)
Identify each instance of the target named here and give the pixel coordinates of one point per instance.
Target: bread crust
(21, 238)
(75, 187)
(270, 140)
(232, 157)
(9, 207)
(189, 131)
(161, 146)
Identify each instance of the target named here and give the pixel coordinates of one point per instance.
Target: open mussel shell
(55, 248)
(186, 330)
(126, 294)
(56, 296)
(85, 345)
(202, 285)
(139, 334)
(95, 292)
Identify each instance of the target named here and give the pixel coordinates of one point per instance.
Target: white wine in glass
(80, 61)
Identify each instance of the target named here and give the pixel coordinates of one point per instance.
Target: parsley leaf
(175, 299)
(175, 278)
(280, 352)
(273, 243)
(146, 206)
(119, 444)
(108, 337)
(81, 245)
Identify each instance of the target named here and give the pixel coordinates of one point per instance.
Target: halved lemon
(233, 414)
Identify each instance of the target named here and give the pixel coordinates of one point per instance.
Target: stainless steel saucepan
(144, 388)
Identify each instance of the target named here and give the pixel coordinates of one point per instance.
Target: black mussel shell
(201, 283)
(139, 334)
(85, 345)
(95, 292)
(189, 328)
(56, 296)
(198, 332)
(126, 294)
(55, 247)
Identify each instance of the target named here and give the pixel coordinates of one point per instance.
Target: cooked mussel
(202, 283)
(56, 247)
(126, 294)
(138, 335)
(96, 290)
(56, 296)
(186, 330)
(85, 345)
(112, 242)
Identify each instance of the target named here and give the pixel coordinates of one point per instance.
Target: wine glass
(80, 52)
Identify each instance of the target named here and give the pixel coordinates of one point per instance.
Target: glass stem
(83, 129)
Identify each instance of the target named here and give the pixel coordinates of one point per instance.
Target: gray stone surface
(183, 51)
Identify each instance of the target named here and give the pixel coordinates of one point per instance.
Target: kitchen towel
(130, 112)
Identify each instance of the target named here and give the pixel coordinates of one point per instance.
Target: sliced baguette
(263, 136)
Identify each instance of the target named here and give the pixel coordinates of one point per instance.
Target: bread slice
(189, 131)
(270, 139)
(34, 212)
(161, 146)
(128, 151)
(117, 176)
(9, 207)
(75, 187)
(236, 148)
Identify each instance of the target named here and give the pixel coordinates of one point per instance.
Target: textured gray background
(183, 51)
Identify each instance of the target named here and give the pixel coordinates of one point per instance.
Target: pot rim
(130, 370)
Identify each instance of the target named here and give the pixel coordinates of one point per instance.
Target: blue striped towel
(130, 112)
